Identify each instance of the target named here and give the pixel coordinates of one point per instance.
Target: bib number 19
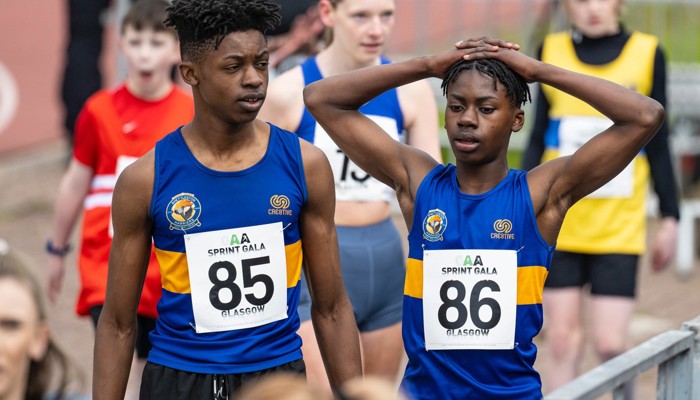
(249, 281)
(475, 305)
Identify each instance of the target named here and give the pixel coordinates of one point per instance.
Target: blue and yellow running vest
(234, 213)
(469, 317)
(613, 219)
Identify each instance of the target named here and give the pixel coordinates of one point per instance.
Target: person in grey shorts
(372, 258)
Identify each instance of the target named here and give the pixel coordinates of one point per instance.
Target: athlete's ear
(518, 120)
(188, 71)
(326, 12)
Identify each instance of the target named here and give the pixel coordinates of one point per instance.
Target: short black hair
(516, 88)
(201, 25)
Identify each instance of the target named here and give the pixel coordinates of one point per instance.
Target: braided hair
(201, 25)
(516, 87)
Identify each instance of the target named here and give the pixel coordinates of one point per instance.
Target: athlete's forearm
(338, 341)
(112, 360)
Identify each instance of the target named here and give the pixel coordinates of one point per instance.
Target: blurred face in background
(149, 56)
(23, 336)
(360, 27)
(594, 18)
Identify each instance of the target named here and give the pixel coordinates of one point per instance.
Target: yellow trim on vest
(413, 286)
(175, 276)
(530, 282)
(634, 69)
(295, 256)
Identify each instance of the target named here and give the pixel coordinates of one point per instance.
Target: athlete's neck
(333, 60)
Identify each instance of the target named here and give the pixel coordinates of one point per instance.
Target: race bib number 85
(469, 299)
(238, 277)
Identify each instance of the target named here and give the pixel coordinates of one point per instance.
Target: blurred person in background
(32, 366)
(116, 126)
(604, 234)
(82, 75)
(282, 386)
(298, 36)
(372, 257)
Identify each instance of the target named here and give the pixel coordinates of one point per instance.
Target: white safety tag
(238, 277)
(574, 132)
(469, 299)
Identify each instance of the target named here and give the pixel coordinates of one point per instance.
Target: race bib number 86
(238, 277)
(469, 299)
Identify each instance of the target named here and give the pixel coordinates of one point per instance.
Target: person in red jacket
(115, 127)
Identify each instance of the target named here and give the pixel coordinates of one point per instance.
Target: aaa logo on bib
(434, 225)
(183, 211)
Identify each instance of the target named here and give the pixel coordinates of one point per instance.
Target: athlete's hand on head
(470, 49)
(507, 52)
(486, 43)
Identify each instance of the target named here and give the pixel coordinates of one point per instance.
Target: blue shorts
(374, 269)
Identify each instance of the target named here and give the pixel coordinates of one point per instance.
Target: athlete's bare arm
(420, 113)
(557, 185)
(72, 191)
(331, 311)
(128, 261)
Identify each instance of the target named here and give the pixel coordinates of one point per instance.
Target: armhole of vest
(302, 175)
(531, 213)
(156, 179)
(421, 189)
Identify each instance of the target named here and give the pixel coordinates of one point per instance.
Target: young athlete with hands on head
(481, 235)
(371, 254)
(234, 207)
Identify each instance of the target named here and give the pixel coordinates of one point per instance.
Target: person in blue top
(481, 235)
(371, 255)
(234, 208)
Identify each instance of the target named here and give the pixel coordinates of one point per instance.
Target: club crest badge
(183, 211)
(434, 225)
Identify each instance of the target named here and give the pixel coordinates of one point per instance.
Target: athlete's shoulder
(556, 38)
(284, 102)
(646, 39)
(288, 84)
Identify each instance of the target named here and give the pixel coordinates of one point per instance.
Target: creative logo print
(434, 225)
(280, 204)
(502, 228)
(183, 211)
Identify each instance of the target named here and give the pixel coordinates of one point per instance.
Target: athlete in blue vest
(234, 207)
(481, 235)
(371, 255)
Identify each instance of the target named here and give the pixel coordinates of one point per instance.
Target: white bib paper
(469, 299)
(574, 132)
(238, 277)
(351, 182)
